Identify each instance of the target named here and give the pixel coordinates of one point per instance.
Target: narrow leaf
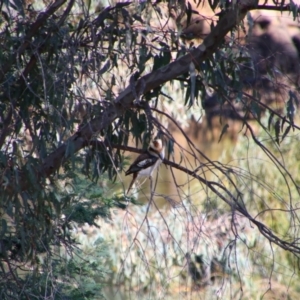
(290, 109)
(286, 132)
(270, 120)
(224, 129)
(283, 122)
(105, 68)
(277, 131)
(188, 13)
(170, 148)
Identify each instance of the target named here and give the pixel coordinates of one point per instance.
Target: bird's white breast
(148, 171)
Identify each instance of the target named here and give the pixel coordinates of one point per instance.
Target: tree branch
(151, 81)
(41, 19)
(228, 198)
(145, 84)
(287, 7)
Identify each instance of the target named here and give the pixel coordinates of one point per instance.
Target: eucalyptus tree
(80, 80)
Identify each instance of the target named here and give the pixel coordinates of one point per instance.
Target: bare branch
(148, 82)
(229, 198)
(275, 8)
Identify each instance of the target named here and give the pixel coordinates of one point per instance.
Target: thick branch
(181, 65)
(148, 82)
(145, 84)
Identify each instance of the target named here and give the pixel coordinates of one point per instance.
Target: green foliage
(60, 276)
(42, 239)
(67, 74)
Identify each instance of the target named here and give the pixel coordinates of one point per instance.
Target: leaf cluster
(61, 69)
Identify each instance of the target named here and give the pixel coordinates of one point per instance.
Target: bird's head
(158, 147)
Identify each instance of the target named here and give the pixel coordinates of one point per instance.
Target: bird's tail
(131, 183)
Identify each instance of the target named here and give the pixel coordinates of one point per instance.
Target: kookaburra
(147, 162)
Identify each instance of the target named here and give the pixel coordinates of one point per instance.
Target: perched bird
(147, 162)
